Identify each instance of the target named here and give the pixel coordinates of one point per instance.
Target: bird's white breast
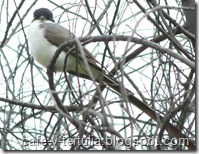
(42, 50)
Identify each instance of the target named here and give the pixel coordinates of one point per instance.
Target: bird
(45, 36)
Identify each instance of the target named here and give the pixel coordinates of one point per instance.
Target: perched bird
(44, 37)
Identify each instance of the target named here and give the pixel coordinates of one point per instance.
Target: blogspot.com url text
(87, 141)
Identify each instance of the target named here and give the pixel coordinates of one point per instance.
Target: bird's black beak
(42, 18)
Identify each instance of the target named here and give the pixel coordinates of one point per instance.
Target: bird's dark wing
(57, 34)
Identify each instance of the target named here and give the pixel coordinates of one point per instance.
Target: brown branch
(38, 107)
(146, 43)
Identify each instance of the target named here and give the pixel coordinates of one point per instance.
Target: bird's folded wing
(57, 34)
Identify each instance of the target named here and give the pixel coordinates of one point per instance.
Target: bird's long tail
(145, 108)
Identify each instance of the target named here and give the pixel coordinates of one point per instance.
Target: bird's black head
(44, 14)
